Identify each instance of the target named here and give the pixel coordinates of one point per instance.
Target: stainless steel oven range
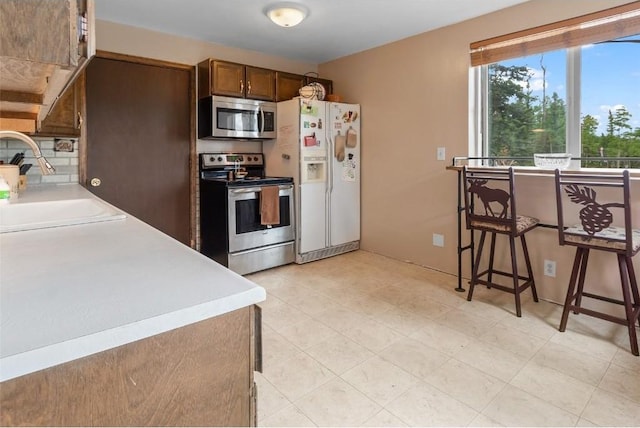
(231, 232)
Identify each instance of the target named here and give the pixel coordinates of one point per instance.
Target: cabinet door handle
(248, 86)
(241, 85)
(80, 120)
(257, 332)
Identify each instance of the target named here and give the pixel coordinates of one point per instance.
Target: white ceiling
(334, 28)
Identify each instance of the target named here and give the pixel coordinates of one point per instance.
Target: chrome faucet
(43, 163)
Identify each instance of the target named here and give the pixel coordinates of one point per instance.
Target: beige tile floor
(364, 340)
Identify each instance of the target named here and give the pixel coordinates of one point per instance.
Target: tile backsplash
(65, 163)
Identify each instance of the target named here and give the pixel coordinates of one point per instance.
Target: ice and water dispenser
(314, 169)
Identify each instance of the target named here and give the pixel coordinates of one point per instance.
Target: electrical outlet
(438, 240)
(550, 268)
(440, 153)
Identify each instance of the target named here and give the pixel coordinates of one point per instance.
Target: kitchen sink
(15, 217)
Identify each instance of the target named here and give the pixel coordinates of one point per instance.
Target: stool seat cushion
(612, 237)
(523, 223)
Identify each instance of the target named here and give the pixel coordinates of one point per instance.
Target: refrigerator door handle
(330, 148)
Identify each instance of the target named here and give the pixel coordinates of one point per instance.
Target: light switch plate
(441, 154)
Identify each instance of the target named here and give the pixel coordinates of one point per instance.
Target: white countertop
(68, 292)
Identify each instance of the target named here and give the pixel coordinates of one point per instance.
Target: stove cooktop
(250, 181)
(216, 168)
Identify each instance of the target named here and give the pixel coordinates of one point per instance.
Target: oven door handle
(258, 189)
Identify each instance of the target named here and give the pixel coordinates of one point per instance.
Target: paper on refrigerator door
(287, 137)
(349, 169)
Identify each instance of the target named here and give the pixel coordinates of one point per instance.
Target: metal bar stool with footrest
(490, 208)
(585, 221)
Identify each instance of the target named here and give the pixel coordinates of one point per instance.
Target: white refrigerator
(318, 144)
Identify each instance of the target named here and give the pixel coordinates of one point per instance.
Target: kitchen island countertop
(73, 291)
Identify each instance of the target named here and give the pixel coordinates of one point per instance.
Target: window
(575, 92)
(526, 106)
(610, 102)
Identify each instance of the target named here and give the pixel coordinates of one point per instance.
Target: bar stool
(584, 203)
(490, 208)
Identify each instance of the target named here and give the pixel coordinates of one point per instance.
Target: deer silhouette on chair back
(489, 198)
(488, 195)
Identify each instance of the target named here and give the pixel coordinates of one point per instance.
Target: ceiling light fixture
(286, 14)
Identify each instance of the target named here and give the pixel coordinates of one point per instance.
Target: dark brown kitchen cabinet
(328, 84)
(261, 83)
(65, 119)
(235, 80)
(287, 85)
(42, 49)
(227, 79)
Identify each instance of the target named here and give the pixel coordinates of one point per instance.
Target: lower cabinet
(197, 375)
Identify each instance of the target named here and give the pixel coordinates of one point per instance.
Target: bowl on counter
(552, 160)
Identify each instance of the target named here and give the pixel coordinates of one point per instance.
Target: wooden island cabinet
(197, 375)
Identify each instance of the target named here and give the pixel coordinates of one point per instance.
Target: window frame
(569, 34)
(573, 134)
(480, 135)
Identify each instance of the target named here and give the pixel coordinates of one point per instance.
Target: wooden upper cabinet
(65, 119)
(261, 83)
(235, 80)
(288, 85)
(42, 49)
(227, 78)
(231, 79)
(328, 84)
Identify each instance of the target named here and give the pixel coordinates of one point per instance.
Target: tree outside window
(527, 112)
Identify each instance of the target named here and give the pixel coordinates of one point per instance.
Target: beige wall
(414, 96)
(129, 40)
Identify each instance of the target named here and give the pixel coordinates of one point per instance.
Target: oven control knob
(255, 158)
(219, 158)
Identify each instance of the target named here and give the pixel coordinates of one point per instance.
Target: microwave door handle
(261, 120)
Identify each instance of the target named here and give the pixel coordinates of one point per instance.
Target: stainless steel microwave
(225, 117)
